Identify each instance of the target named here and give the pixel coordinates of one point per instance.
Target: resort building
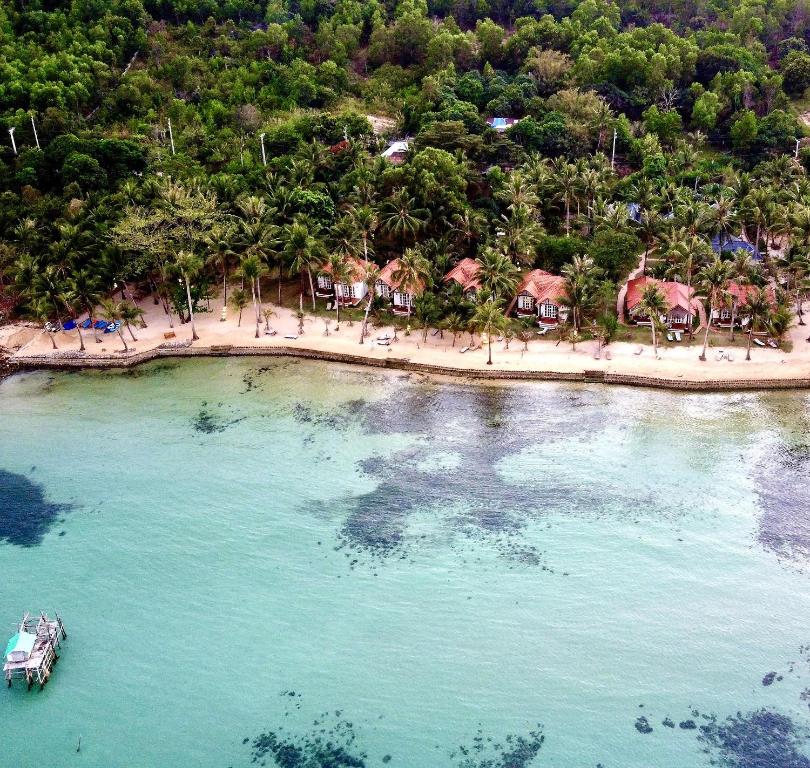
(396, 152)
(680, 302)
(731, 245)
(540, 294)
(738, 294)
(465, 273)
(389, 288)
(349, 293)
(501, 124)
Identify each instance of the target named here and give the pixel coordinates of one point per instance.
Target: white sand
(676, 363)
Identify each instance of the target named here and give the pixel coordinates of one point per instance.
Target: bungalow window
(383, 289)
(548, 310)
(525, 301)
(403, 299)
(347, 291)
(325, 282)
(725, 314)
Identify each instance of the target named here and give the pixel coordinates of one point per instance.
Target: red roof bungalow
(389, 288)
(681, 303)
(348, 294)
(540, 295)
(721, 316)
(341, 146)
(465, 273)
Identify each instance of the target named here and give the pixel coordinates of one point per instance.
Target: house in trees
(731, 245)
(465, 273)
(682, 307)
(397, 151)
(739, 295)
(349, 293)
(391, 289)
(540, 294)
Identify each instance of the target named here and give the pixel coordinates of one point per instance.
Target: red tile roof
(387, 276)
(742, 293)
(465, 273)
(675, 294)
(542, 285)
(357, 269)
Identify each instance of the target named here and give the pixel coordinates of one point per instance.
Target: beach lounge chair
(759, 342)
(677, 335)
(607, 354)
(720, 355)
(638, 351)
(101, 325)
(384, 337)
(384, 342)
(291, 336)
(270, 332)
(670, 337)
(543, 331)
(463, 350)
(69, 325)
(730, 357)
(112, 327)
(86, 325)
(772, 344)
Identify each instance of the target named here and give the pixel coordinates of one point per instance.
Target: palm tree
(218, 242)
(302, 250)
(238, 301)
(713, 281)
(341, 274)
(653, 305)
(401, 217)
(251, 270)
(454, 323)
(742, 269)
(497, 274)
(113, 310)
(40, 310)
(648, 229)
(188, 265)
(366, 220)
(567, 182)
(580, 286)
(758, 309)
(267, 313)
(412, 273)
(130, 313)
(82, 290)
(488, 318)
(74, 305)
(370, 279)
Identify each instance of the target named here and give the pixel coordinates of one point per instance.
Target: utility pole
(13, 143)
(36, 137)
(613, 153)
(264, 157)
(171, 135)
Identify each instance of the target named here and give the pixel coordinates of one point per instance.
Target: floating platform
(31, 653)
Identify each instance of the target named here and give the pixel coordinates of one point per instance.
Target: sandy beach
(676, 364)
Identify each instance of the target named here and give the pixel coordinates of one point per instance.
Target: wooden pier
(31, 653)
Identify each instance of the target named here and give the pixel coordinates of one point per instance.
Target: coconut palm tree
(488, 318)
(40, 310)
(83, 291)
(341, 274)
(497, 274)
(653, 305)
(412, 273)
(566, 180)
(366, 219)
(267, 313)
(303, 250)
(250, 270)
(401, 217)
(188, 265)
(220, 254)
(370, 277)
(742, 270)
(713, 282)
(648, 229)
(455, 324)
(580, 287)
(758, 309)
(238, 301)
(130, 313)
(114, 311)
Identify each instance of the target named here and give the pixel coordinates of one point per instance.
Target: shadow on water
(25, 515)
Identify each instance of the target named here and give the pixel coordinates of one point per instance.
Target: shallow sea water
(286, 563)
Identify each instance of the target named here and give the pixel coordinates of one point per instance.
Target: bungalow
(389, 288)
(396, 152)
(540, 295)
(680, 302)
(348, 294)
(739, 294)
(501, 124)
(465, 273)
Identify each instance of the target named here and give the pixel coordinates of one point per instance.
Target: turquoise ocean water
(288, 563)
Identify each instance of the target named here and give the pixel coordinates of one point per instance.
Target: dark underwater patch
(760, 739)
(208, 421)
(25, 514)
(514, 751)
(784, 496)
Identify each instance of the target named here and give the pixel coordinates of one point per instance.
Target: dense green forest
(131, 145)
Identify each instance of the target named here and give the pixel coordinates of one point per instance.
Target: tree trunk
(124, 341)
(81, 339)
(225, 285)
(567, 216)
(311, 288)
(129, 328)
(799, 305)
(748, 345)
(489, 349)
(239, 324)
(255, 305)
(194, 336)
(53, 339)
(733, 317)
(365, 316)
(702, 356)
(655, 341)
